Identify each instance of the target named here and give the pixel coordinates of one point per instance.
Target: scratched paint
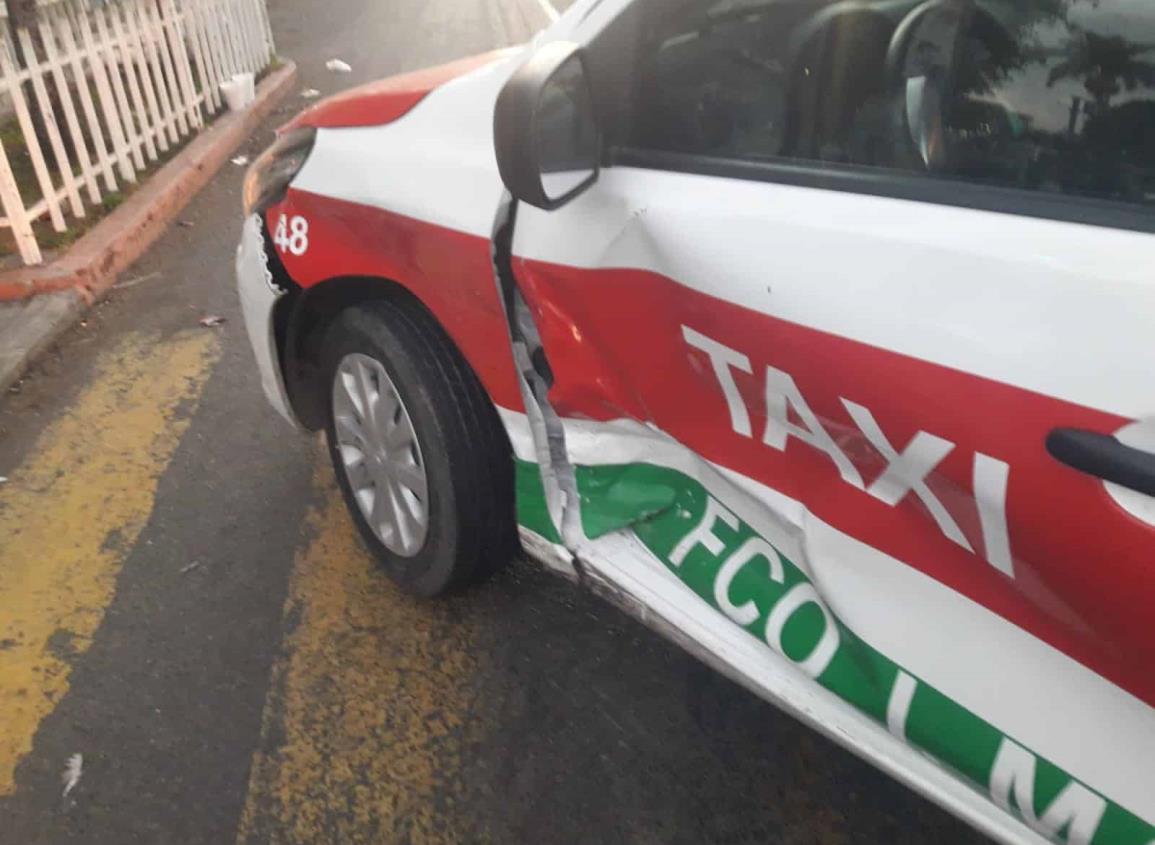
(72, 511)
(370, 706)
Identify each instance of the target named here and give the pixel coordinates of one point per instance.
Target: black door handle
(1102, 456)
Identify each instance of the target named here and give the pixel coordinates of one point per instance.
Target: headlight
(269, 177)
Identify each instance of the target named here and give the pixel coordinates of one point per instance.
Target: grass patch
(53, 242)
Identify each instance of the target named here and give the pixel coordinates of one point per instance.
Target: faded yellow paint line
(370, 704)
(73, 510)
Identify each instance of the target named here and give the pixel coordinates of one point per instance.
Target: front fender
(413, 202)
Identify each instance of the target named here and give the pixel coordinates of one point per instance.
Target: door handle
(1102, 456)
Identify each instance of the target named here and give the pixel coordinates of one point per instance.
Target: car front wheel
(419, 452)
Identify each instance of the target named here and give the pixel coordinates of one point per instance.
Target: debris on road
(133, 282)
(185, 224)
(212, 321)
(72, 772)
(338, 66)
(310, 94)
(194, 565)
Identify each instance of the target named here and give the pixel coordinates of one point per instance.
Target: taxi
(818, 334)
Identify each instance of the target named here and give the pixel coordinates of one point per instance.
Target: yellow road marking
(71, 513)
(367, 713)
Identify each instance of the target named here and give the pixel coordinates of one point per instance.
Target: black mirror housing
(545, 129)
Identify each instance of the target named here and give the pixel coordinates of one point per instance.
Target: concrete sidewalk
(28, 328)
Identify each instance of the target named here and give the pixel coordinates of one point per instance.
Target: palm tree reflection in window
(1106, 65)
(1058, 95)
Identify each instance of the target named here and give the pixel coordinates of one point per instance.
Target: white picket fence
(130, 79)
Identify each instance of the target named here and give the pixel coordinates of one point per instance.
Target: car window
(1041, 95)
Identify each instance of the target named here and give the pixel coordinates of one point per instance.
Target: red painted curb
(93, 263)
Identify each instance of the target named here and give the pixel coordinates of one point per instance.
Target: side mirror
(545, 129)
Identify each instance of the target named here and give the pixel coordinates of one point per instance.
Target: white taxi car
(820, 334)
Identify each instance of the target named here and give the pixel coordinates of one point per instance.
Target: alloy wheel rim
(380, 455)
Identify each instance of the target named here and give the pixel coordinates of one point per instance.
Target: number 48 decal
(292, 235)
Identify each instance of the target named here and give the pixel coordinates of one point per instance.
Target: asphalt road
(182, 603)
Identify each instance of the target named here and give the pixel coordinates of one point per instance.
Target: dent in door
(629, 345)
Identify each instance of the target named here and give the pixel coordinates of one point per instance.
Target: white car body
(812, 417)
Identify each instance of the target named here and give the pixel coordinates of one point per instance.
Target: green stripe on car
(752, 585)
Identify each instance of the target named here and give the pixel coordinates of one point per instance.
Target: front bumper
(258, 297)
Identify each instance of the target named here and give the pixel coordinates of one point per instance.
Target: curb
(92, 264)
(50, 299)
(31, 327)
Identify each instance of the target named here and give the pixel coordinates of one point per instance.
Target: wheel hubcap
(380, 454)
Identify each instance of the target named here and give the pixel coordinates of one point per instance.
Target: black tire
(468, 462)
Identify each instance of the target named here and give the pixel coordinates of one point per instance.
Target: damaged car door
(851, 332)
